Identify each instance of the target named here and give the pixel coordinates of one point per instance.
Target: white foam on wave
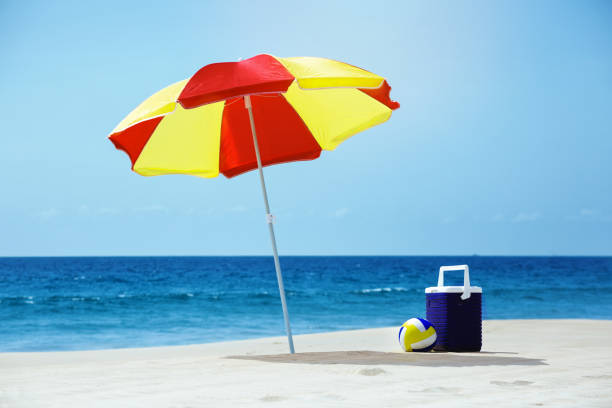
(378, 290)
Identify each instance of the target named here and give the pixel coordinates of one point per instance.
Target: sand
(560, 363)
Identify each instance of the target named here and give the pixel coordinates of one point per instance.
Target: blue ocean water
(113, 302)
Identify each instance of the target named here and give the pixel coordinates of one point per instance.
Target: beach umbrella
(233, 117)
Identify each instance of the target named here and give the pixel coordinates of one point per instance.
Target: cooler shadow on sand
(365, 357)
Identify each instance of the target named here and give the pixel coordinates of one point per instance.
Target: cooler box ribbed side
(458, 323)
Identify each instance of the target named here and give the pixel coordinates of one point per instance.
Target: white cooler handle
(466, 278)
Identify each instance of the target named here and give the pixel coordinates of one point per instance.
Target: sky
(502, 144)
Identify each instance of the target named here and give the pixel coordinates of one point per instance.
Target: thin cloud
(86, 210)
(47, 214)
(107, 211)
(196, 211)
(590, 214)
(448, 220)
(341, 212)
(151, 208)
(498, 217)
(526, 217)
(238, 209)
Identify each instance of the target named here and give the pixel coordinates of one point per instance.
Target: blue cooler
(456, 313)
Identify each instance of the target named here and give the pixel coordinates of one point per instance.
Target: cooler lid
(452, 289)
(466, 290)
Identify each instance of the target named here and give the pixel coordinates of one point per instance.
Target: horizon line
(317, 255)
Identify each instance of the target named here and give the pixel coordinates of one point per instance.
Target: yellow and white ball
(417, 335)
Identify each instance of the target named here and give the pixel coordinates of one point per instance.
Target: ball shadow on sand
(365, 357)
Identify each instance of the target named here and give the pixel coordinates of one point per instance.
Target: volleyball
(417, 335)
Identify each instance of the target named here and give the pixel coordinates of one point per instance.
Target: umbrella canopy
(233, 117)
(301, 105)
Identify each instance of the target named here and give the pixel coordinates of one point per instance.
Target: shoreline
(563, 362)
(276, 339)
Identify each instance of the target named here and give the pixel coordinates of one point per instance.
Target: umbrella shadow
(365, 357)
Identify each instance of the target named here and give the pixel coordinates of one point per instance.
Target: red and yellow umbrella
(301, 105)
(233, 117)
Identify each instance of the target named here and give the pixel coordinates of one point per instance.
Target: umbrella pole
(270, 219)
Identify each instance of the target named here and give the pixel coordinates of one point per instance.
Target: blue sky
(502, 145)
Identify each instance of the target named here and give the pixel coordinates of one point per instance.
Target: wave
(381, 290)
(133, 297)
(258, 296)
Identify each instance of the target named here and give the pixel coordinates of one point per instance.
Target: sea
(85, 303)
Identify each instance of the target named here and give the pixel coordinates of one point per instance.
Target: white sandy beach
(560, 363)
